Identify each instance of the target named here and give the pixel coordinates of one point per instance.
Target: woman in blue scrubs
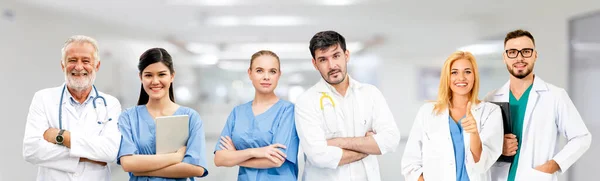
(458, 137)
(137, 154)
(260, 136)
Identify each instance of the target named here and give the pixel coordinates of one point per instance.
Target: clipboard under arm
(507, 123)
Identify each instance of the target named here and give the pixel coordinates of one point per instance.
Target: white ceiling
(358, 20)
(393, 19)
(407, 29)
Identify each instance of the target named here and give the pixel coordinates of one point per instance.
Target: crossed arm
(355, 148)
(40, 148)
(50, 135)
(364, 144)
(265, 157)
(184, 163)
(168, 165)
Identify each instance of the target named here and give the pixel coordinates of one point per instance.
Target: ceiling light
(492, 47)
(338, 2)
(224, 21)
(199, 48)
(586, 46)
(203, 2)
(276, 21)
(236, 66)
(207, 59)
(256, 21)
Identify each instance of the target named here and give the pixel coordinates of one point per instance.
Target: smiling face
(520, 56)
(462, 77)
(156, 80)
(80, 66)
(264, 73)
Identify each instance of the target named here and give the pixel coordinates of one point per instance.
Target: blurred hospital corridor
(399, 46)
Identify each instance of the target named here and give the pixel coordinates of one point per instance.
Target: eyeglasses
(514, 53)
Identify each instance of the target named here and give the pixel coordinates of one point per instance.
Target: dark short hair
(518, 33)
(325, 39)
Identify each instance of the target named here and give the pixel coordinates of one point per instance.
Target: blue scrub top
(139, 137)
(276, 125)
(458, 141)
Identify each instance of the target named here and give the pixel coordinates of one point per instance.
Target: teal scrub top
(517, 109)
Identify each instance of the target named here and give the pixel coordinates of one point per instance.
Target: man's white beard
(82, 83)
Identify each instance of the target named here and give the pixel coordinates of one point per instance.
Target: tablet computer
(171, 133)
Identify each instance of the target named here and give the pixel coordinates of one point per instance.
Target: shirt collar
(75, 102)
(323, 86)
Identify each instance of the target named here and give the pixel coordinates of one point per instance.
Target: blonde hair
(264, 52)
(444, 92)
(80, 39)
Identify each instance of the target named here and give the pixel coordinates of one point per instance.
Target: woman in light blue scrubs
(137, 154)
(260, 136)
(458, 137)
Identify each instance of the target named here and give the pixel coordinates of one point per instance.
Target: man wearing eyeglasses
(540, 112)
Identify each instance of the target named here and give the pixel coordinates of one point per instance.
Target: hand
(226, 144)
(510, 145)
(369, 133)
(92, 161)
(180, 153)
(468, 123)
(270, 152)
(549, 167)
(50, 135)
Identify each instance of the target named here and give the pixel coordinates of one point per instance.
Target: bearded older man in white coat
(71, 131)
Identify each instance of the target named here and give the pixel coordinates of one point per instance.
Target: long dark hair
(149, 57)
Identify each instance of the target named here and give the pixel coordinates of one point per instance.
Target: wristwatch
(59, 138)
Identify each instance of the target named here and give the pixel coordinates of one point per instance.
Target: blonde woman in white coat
(458, 137)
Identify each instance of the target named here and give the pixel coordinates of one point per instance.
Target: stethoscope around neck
(325, 96)
(93, 104)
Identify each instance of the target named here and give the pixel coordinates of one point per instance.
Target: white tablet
(171, 133)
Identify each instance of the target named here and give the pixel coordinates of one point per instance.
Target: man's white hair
(80, 39)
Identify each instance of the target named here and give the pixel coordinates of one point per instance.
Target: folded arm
(146, 163)
(264, 157)
(99, 147)
(349, 156)
(366, 145)
(179, 170)
(313, 142)
(229, 158)
(36, 149)
(260, 163)
(387, 136)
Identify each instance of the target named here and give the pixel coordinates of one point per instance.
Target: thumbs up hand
(468, 123)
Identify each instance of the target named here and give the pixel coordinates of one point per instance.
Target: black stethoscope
(93, 103)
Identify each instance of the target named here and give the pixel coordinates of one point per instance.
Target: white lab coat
(314, 129)
(59, 162)
(549, 113)
(429, 149)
